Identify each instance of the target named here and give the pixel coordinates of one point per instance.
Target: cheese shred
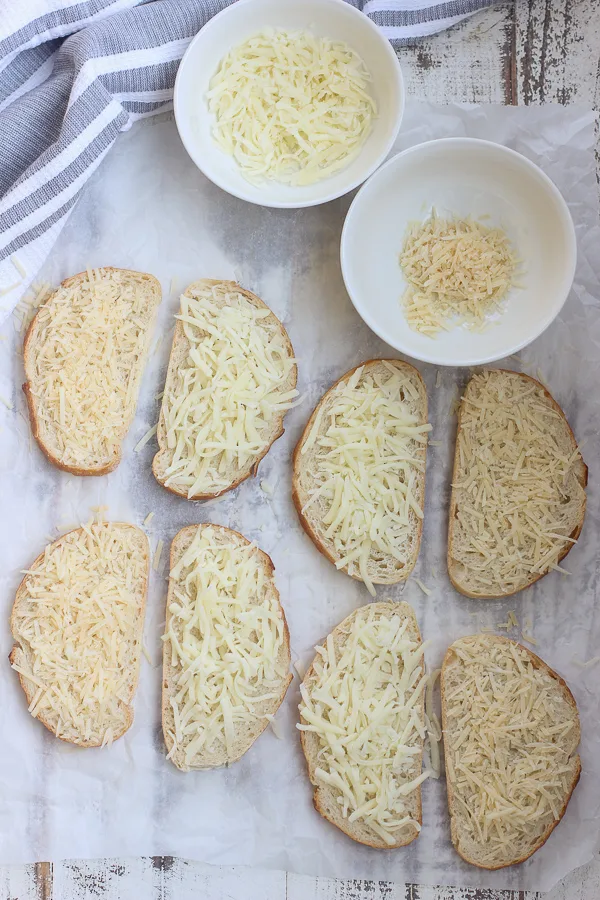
(458, 271)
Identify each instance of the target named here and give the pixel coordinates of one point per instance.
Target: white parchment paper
(149, 208)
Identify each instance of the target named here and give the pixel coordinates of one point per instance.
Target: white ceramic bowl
(325, 18)
(462, 176)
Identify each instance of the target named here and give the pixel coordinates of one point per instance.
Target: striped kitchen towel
(74, 75)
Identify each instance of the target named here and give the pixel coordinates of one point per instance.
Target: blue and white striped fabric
(74, 75)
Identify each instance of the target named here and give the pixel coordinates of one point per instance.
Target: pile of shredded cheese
(458, 271)
(516, 491)
(85, 366)
(218, 410)
(78, 624)
(365, 704)
(510, 735)
(368, 459)
(291, 107)
(224, 636)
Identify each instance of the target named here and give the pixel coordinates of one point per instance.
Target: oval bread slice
(511, 731)
(226, 643)
(84, 355)
(77, 622)
(231, 378)
(518, 486)
(362, 698)
(366, 515)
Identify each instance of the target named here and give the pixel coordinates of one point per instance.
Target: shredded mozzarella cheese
(366, 469)
(225, 637)
(291, 107)
(365, 703)
(458, 271)
(219, 406)
(510, 736)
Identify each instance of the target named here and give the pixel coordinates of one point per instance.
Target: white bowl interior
(325, 18)
(465, 177)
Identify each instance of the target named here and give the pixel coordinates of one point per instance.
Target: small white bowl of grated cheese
(458, 252)
(289, 103)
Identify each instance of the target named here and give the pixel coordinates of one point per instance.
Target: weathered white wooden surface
(528, 51)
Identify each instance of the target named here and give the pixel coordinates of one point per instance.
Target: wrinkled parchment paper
(149, 208)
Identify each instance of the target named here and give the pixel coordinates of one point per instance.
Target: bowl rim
(196, 158)
(567, 224)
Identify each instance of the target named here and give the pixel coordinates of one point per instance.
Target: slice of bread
(80, 683)
(84, 355)
(357, 695)
(218, 421)
(397, 397)
(221, 593)
(511, 731)
(518, 486)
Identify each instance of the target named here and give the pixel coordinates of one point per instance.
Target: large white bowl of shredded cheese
(346, 124)
(490, 191)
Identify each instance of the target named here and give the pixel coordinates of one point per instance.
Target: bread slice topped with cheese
(511, 731)
(231, 379)
(359, 472)
(77, 622)
(84, 356)
(226, 651)
(362, 723)
(518, 486)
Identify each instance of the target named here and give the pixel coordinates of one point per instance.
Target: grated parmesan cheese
(510, 735)
(517, 495)
(85, 371)
(366, 468)
(458, 271)
(225, 640)
(78, 627)
(218, 409)
(366, 706)
(291, 107)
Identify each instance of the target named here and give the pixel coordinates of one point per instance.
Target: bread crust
(583, 480)
(538, 663)
(261, 724)
(178, 337)
(296, 465)
(376, 842)
(16, 648)
(28, 353)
